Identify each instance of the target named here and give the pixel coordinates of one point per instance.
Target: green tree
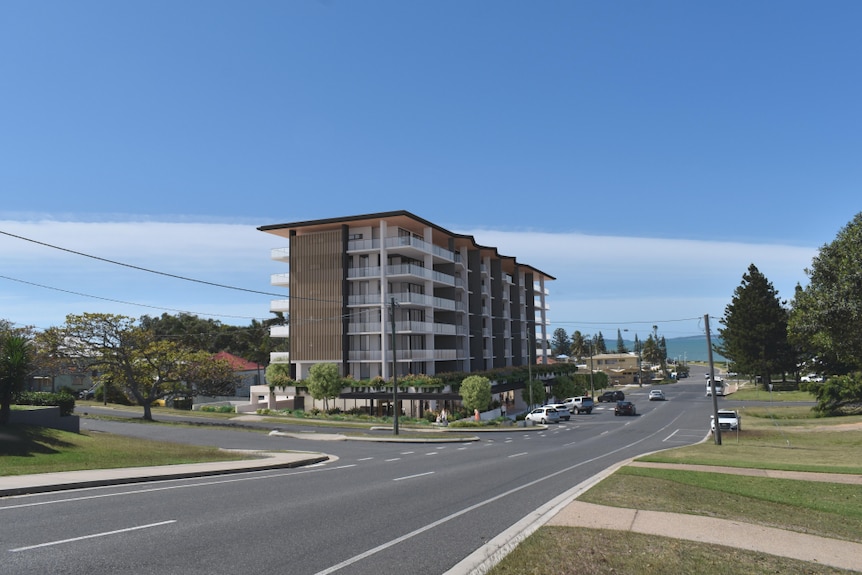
(135, 360)
(475, 392)
(826, 314)
(599, 345)
(278, 375)
(565, 387)
(838, 395)
(538, 392)
(579, 345)
(14, 367)
(754, 335)
(324, 382)
(621, 345)
(560, 344)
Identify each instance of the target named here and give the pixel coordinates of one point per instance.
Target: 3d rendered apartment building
(361, 287)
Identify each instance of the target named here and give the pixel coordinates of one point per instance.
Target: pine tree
(754, 336)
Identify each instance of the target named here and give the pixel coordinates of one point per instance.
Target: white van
(719, 387)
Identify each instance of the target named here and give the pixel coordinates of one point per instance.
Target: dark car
(625, 408)
(612, 396)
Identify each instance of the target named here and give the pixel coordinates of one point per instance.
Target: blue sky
(643, 153)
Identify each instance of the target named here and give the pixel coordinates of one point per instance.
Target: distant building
(621, 368)
(453, 305)
(249, 372)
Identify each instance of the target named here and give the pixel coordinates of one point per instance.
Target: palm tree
(14, 366)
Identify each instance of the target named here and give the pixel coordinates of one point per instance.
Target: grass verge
(26, 449)
(784, 438)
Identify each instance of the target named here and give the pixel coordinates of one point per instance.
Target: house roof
(238, 363)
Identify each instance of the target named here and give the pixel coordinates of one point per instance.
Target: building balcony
(404, 355)
(363, 272)
(279, 305)
(279, 331)
(420, 272)
(408, 244)
(365, 299)
(280, 254)
(280, 279)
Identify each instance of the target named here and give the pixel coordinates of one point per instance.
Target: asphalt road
(377, 508)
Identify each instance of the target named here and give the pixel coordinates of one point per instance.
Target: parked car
(625, 408)
(656, 395)
(87, 393)
(812, 377)
(543, 415)
(615, 395)
(728, 420)
(580, 404)
(562, 411)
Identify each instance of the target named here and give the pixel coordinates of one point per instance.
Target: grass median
(781, 438)
(26, 449)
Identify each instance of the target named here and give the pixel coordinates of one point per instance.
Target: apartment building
(365, 288)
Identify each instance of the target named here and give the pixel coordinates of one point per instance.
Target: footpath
(567, 511)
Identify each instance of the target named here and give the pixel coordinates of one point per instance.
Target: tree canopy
(324, 382)
(826, 314)
(14, 367)
(135, 360)
(475, 392)
(754, 335)
(560, 344)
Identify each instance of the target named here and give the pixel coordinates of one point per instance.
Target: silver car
(562, 410)
(543, 415)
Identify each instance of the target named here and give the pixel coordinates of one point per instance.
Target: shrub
(66, 401)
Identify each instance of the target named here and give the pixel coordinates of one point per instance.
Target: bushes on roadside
(65, 401)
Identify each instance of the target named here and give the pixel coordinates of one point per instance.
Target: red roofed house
(249, 372)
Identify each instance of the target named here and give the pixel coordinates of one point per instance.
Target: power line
(126, 302)
(139, 268)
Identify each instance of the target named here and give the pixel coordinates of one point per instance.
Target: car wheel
(544, 422)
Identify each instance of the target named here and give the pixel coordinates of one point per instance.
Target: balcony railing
(421, 245)
(280, 279)
(419, 271)
(364, 272)
(282, 305)
(279, 331)
(280, 254)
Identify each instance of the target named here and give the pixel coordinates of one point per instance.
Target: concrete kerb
(46, 482)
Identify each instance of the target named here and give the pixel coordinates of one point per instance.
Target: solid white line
(470, 560)
(126, 493)
(671, 435)
(413, 476)
(92, 536)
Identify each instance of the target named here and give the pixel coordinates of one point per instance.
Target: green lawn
(26, 449)
(772, 438)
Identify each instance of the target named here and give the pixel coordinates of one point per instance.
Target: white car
(543, 415)
(728, 420)
(812, 377)
(656, 395)
(562, 410)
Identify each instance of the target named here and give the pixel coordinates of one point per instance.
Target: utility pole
(395, 409)
(717, 432)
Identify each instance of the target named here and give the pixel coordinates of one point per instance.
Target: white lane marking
(517, 454)
(414, 476)
(365, 459)
(169, 487)
(471, 508)
(93, 536)
(432, 453)
(671, 435)
(407, 453)
(393, 459)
